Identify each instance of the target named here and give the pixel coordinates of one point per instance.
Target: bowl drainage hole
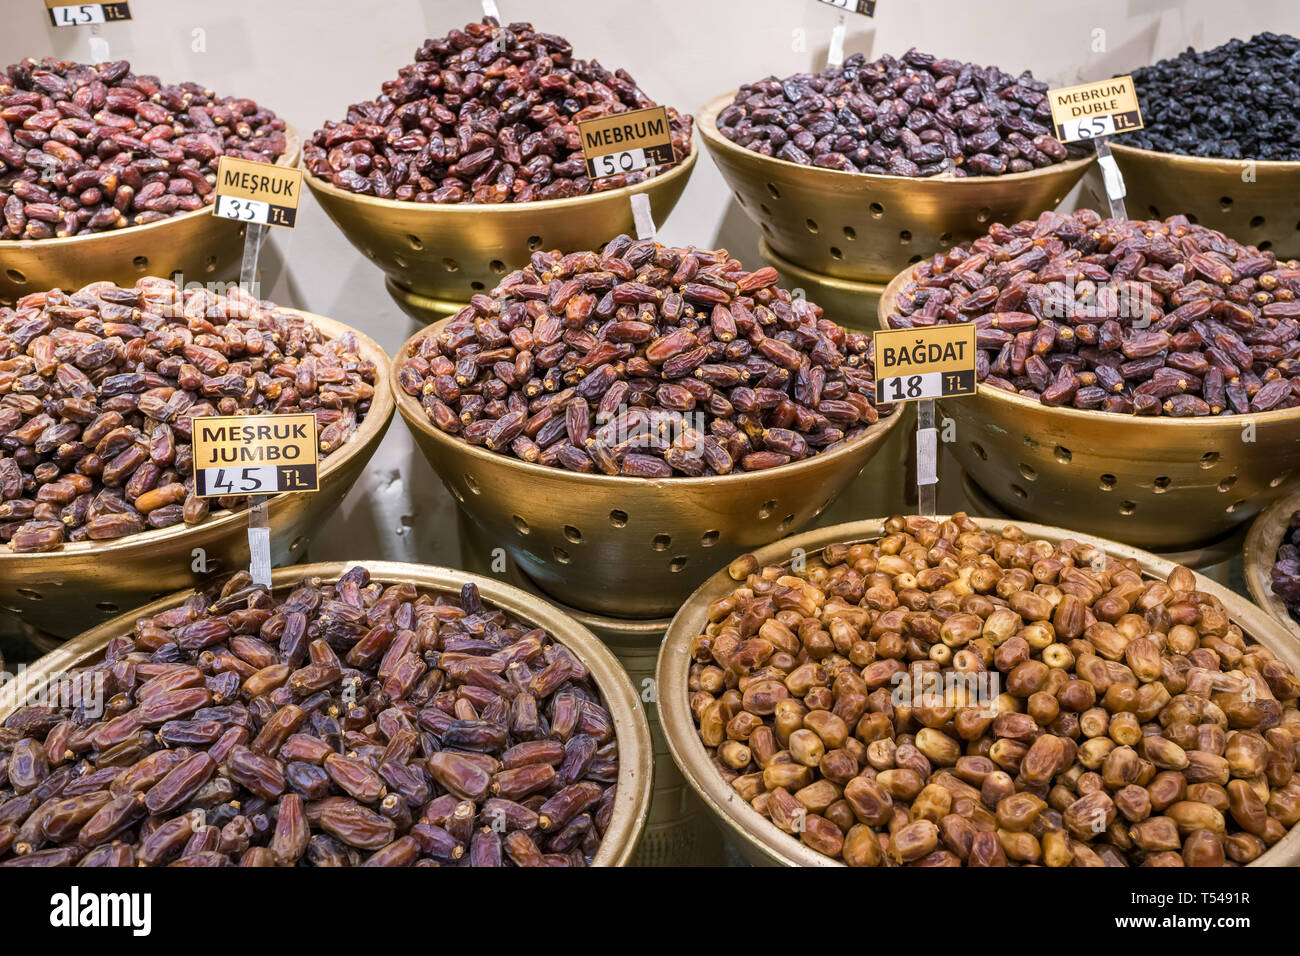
(618, 518)
(521, 525)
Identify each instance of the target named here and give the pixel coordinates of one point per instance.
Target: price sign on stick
(923, 364)
(936, 361)
(626, 142)
(1093, 111)
(258, 456)
(254, 454)
(86, 14)
(259, 193)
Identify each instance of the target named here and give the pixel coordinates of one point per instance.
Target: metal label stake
(259, 526)
(1093, 112)
(920, 365)
(835, 53)
(927, 458)
(1113, 178)
(645, 222)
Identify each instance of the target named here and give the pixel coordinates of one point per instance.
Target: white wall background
(308, 59)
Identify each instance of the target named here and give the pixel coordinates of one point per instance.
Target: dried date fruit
(98, 389)
(487, 114)
(682, 364)
(87, 148)
(1122, 316)
(354, 770)
(905, 701)
(917, 115)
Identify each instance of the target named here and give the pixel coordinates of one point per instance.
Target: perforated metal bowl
(450, 252)
(757, 838)
(864, 226)
(635, 756)
(844, 301)
(1168, 484)
(627, 547)
(66, 591)
(201, 246)
(1254, 201)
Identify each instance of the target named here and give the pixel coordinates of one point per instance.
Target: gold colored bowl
(1168, 484)
(630, 728)
(627, 547)
(865, 226)
(198, 244)
(1262, 542)
(63, 592)
(1254, 201)
(422, 308)
(844, 301)
(757, 838)
(1213, 559)
(450, 252)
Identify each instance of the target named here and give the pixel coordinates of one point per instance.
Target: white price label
(628, 161)
(908, 388)
(255, 480)
(78, 16)
(1087, 127)
(243, 210)
(87, 14)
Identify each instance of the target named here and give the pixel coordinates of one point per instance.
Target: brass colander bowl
(757, 838)
(63, 592)
(627, 547)
(845, 302)
(1167, 484)
(450, 252)
(1254, 201)
(198, 244)
(864, 226)
(1263, 540)
(633, 734)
